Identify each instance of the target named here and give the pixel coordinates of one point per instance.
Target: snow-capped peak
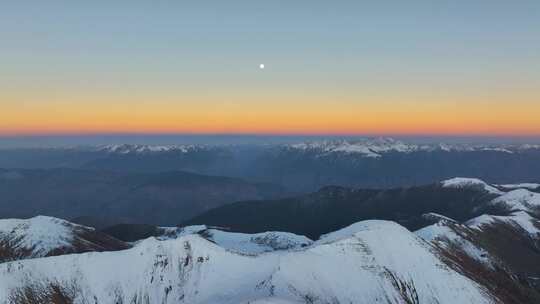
(43, 235)
(40, 234)
(462, 182)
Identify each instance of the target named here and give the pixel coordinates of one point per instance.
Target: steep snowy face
(467, 236)
(453, 236)
(43, 236)
(497, 248)
(370, 262)
(463, 182)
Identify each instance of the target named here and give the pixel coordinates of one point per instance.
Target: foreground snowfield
(368, 262)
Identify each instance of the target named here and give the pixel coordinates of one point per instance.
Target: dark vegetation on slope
(513, 253)
(42, 292)
(333, 208)
(162, 198)
(132, 232)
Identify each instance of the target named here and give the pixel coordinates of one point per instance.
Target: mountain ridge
(191, 269)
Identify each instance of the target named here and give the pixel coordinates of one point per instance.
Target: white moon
(261, 66)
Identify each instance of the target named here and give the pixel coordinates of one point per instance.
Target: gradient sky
(332, 67)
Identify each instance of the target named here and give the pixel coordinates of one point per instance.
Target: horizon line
(264, 134)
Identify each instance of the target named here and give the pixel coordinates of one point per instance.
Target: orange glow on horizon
(290, 115)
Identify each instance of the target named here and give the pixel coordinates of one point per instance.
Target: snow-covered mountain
(463, 182)
(47, 236)
(141, 149)
(376, 147)
(519, 199)
(368, 262)
(512, 197)
(364, 147)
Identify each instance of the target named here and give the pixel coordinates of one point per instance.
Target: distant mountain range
(302, 167)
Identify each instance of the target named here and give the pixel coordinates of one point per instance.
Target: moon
(261, 66)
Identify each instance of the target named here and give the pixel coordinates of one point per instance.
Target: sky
(331, 67)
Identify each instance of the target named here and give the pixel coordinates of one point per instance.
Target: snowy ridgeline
(368, 262)
(375, 147)
(514, 197)
(450, 234)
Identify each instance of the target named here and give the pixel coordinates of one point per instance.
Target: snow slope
(257, 243)
(519, 219)
(519, 199)
(368, 262)
(470, 239)
(241, 242)
(451, 235)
